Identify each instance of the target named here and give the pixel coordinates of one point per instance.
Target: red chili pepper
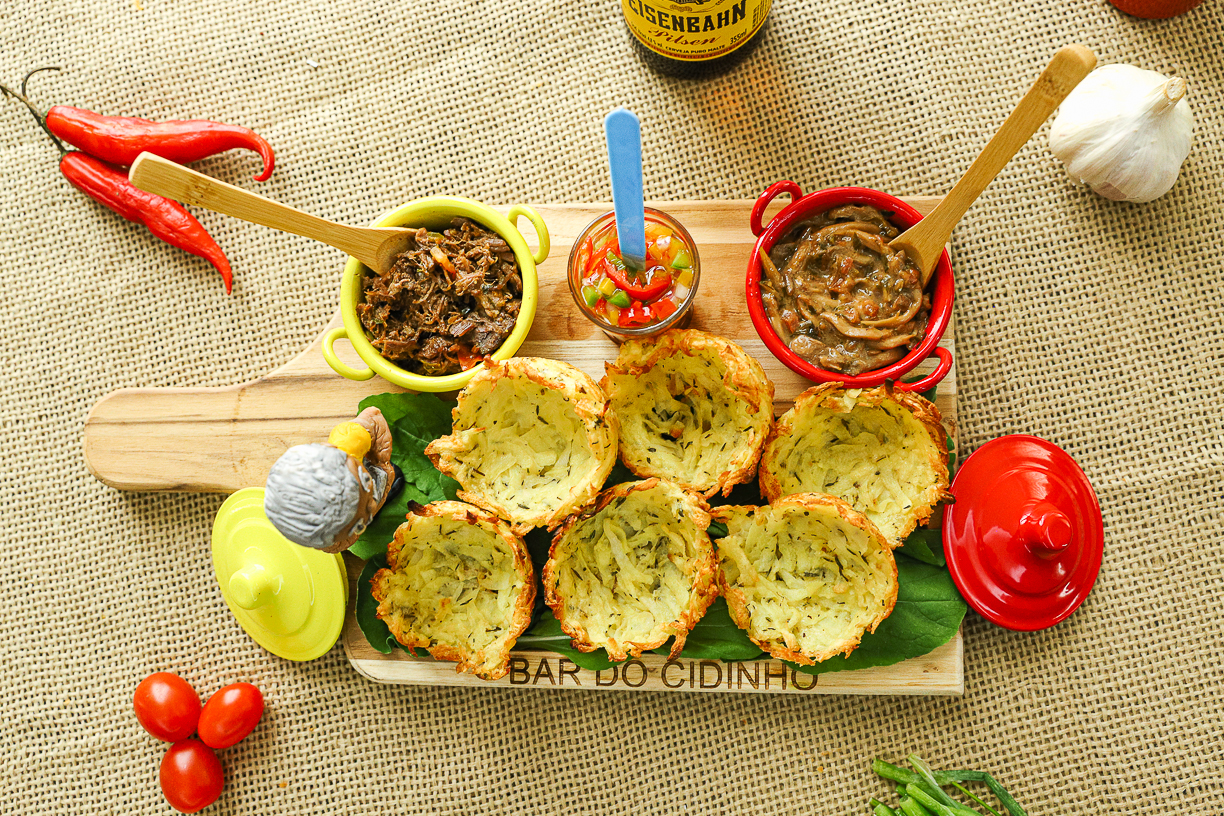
(166, 219)
(615, 269)
(120, 139)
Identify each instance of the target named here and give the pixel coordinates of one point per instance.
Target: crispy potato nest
(634, 571)
(692, 407)
(533, 440)
(806, 576)
(883, 451)
(459, 583)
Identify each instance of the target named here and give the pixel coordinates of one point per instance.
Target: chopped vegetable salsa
(634, 298)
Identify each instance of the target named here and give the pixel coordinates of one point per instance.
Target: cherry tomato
(230, 714)
(167, 706)
(191, 776)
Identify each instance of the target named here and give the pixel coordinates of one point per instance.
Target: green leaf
(929, 610)
(415, 420)
(716, 637)
(376, 632)
(546, 634)
(924, 545)
(749, 493)
(538, 542)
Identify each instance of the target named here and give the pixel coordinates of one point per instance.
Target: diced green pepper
(620, 298)
(591, 295)
(682, 260)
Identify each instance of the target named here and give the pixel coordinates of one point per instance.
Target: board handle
(540, 228)
(339, 366)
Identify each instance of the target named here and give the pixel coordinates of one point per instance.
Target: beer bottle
(694, 38)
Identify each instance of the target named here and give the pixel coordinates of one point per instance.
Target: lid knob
(1045, 530)
(252, 586)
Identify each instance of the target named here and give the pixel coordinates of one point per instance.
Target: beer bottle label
(694, 30)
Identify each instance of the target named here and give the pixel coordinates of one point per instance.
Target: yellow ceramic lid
(291, 599)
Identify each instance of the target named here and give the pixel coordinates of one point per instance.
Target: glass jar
(598, 306)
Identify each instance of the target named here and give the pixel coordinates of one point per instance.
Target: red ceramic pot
(903, 216)
(1155, 9)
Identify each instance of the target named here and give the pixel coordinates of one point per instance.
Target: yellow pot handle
(538, 222)
(341, 368)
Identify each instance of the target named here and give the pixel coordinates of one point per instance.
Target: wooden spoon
(376, 247)
(924, 242)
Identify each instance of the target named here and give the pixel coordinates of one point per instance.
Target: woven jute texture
(1094, 324)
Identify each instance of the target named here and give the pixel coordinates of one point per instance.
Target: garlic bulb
(1125, 132)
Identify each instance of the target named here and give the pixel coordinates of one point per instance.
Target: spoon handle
(162, 177)
(926, 239)
(623, 132)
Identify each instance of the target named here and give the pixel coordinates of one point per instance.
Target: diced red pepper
(659, 279)
(663, 308)
(584, 256)
(636, 315)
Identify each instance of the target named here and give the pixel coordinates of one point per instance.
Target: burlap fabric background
(1094, 324)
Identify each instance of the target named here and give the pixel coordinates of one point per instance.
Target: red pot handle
(929, 381)
(758, 209)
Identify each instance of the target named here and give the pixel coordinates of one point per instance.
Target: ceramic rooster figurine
(324, 496)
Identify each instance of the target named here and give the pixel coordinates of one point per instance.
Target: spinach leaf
(924, 545)
(415, 420)
(546, 634)
(375, 631)
(618, 475)
(716, 637)
(929, 610)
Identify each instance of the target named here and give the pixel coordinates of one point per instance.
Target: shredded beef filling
(839, 296)
(445, 304)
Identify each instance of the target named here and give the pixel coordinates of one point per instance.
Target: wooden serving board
(223, 439)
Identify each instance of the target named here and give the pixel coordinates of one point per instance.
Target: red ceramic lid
(1024, 537)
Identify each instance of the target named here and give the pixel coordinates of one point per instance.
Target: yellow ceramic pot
(435, 213)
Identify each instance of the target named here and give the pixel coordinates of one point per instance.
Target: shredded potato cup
(533, 440)
(634, 571)
(805, 577)
(882, 451)
(459, 583)
(692, 407)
